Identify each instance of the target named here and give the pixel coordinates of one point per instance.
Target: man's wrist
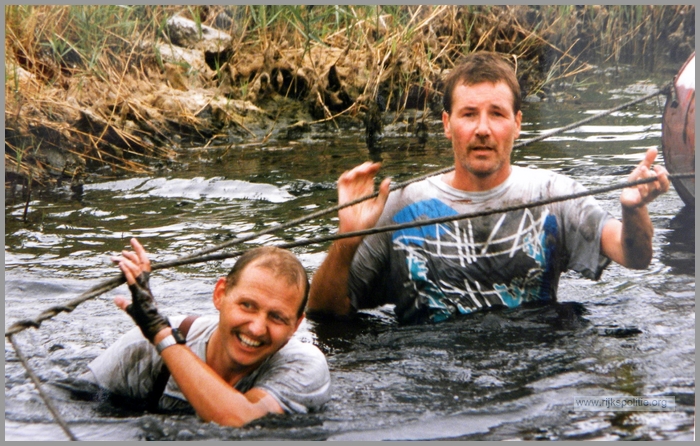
(343, 250)
(632, 207)
(174, 338)
(349, 244)
(634, 210)
(164, 333)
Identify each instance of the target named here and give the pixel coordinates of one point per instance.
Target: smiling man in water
(432, 273)
(233, 368)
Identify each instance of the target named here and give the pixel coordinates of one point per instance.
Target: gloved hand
(136, 268)
(143, 308)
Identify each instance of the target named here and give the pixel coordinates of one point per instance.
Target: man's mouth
(249, 342)
(482, 152)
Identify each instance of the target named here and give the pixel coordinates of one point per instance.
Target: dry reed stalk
(371, 51)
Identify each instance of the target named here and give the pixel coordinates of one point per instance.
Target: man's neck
(468, 182)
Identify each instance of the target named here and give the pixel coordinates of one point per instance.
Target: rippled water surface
(496, 376)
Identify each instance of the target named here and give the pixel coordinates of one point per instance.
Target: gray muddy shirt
(434, 272)
(296, 376)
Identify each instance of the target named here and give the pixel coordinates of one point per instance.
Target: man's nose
(258, 325)
(483, 128)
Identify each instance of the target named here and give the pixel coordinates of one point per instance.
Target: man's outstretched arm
(211, 397)
(629, 242)
(329, 286)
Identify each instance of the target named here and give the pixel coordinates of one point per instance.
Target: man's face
(482, 127)
(257, 316)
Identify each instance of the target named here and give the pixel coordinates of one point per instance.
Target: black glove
(143, 308)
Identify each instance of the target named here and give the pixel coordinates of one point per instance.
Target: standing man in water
(432, 273)
(233, 368)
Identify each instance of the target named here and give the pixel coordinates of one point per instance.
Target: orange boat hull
(678, 131)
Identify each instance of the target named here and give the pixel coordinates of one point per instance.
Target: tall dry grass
(74, 73)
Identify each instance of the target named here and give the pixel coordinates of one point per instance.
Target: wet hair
(278, 261)
(478, 67)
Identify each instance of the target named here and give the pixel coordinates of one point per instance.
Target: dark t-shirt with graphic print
(434, 272)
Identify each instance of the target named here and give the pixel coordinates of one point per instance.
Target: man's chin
(482, 171)
(248, 359)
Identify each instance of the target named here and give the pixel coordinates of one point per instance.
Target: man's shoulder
(296, 348)
(304, 354)
(297, 376)
(521, 173)
(298, 352)
(536, 177)
(423, 186)
(199, 332)
(200, 323)
(413, 192)
(303, 358)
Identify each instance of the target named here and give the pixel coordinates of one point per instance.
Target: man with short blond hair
(232, 368)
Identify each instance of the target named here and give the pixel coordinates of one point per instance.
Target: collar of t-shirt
(477, 197)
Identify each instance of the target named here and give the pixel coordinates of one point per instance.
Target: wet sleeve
(583, 222)
(368, 272)
(297, 377)
(128, 367)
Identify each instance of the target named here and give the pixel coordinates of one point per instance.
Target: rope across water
(44, 397)
(188, 260)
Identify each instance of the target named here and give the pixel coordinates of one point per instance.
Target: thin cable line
(37, 384)
(118, 280)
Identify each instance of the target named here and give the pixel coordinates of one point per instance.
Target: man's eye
(278, 318)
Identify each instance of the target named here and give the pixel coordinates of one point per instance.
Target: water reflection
(678, 251)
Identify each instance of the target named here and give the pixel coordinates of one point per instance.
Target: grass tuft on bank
(118, 87)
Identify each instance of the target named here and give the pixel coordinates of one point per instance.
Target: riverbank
(123, 88)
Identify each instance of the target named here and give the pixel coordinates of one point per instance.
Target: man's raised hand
(136, 268)
(641, 195)
(356, 183)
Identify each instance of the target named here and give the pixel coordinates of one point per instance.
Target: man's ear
(446, 124)
(219, 292)
(301, 318)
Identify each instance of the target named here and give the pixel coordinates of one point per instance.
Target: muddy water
(496, 376)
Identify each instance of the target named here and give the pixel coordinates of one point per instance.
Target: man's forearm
(636, 239)
(329, 287)
(630, 243)
(211, 397)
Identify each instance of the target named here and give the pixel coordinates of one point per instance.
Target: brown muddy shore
(209, 77)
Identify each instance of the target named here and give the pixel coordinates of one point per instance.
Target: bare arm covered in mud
(210, 395)
(329, 287)
(629, 242)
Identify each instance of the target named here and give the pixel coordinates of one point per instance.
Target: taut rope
(188, 260)
(43, 396)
